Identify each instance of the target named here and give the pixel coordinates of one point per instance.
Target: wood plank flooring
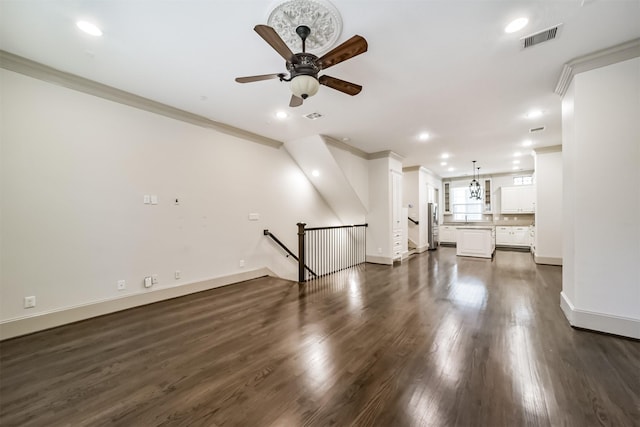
(437, 341)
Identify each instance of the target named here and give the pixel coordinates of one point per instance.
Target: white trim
(600, 322)
(344, 146)
(547, 260)
(379, 260)
(549, 149)
(384, 155)
(421, 249)
(601, 58)
(26, 325)
(33, 69)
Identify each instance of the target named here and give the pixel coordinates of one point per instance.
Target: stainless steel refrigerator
(432, 226)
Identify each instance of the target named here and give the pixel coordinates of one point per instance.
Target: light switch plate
(254, 216)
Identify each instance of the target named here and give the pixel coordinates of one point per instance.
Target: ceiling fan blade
(352, 47)
(295, 101)
(341, 85)
(270, 36)
(250, 79)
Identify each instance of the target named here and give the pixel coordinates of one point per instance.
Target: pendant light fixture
(475, 190)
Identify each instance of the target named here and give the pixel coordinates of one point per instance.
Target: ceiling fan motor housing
(304, 75)
(307, 65)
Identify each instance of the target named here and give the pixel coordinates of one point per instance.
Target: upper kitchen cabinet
(446, 197)
(518, 199)
(488, 205)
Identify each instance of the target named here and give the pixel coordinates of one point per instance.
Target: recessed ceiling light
(315, 172)
(516, 25)
(282, 115)
(517, 154)
(533, 114)
(516, 162)
(89, 28)
(423, 136)
(450, 169)
(527, 143)
(515, 168)
(443, 163)
(444, 156)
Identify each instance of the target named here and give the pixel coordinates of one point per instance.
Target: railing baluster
(326, 250)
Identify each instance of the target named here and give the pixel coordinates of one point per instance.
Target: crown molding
(39, 71)
(421, 169)
(343, 146)
(601, 58)
(492, 175)
(549, 149)
(385, 154)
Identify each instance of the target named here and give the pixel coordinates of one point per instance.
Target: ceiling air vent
(538, 129)
(540, 36)
(313, 116)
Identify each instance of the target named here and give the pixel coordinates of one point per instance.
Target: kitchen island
(475, 241)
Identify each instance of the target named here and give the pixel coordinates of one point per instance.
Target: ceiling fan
(304, 67)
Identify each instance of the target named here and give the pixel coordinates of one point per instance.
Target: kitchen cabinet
(475, 242)
(518, 199)
(516, 236)
(488, 206)
(446, 197)
(396, 215)
(447, 234)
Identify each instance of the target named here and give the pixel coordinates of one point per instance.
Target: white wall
(414, 195)
(74, 170)
(356, 170)
(548, 241)
(312, 154)
(601, 164)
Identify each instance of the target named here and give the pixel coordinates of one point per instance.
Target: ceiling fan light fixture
(304, 86)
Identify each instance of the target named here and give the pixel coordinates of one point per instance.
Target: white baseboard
(379, 260)
(26, 325)
(422, 249)
(547, 260)
(600, 322)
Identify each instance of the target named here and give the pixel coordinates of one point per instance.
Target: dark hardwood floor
(437, 341)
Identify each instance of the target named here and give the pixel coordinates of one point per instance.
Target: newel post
(301, 254)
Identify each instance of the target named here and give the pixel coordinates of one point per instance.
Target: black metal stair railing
(287, 250)
(330, 249)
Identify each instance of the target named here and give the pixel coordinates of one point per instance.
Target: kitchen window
(464, 207)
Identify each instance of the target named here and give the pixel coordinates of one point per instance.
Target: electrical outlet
(122, 285)
(241, 263)
(146, 199)
(177, 274)
(154, 279)
(29, 302)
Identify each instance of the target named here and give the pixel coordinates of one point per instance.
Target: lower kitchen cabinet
(447, 234)
(475, 242)
(517, 236)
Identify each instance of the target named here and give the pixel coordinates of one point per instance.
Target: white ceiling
(445, 67)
